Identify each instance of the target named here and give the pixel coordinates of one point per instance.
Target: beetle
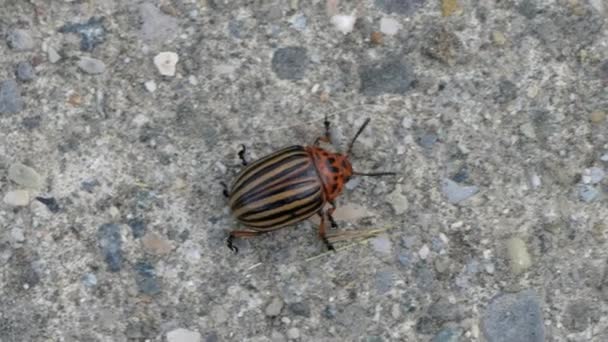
(289, 186)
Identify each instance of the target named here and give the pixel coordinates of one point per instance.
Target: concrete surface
(119, 120)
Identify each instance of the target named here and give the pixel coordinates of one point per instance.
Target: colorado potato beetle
(289, 186)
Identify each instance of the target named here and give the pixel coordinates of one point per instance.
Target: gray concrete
(112, 219)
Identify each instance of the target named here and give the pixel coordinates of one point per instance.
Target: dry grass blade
(360, 237)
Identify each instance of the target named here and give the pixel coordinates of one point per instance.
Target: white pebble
(24, 176)
(165, 63)
(604, 157)
(535, 181)
(52, 55)
(593, 175)
(344, 23)
(424, 252)
(518, 255)
(293, 333)
(183, 335)
(17, 235)
(150, 86)
(17, 198)
(389, 26)
(398, 201)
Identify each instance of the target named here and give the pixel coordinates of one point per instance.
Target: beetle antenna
(350, 147)
(374, 174)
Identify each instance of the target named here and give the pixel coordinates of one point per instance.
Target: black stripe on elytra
(283, 201)
(251, 198)
(253, 166)
(286, 174)
(273, 165)
(288, 218)
(289, 213)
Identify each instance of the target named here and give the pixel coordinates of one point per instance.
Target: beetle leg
(322, 234)
(225, 190)
(242, 155)
(327, 137)
(239, 233)
(330, 212)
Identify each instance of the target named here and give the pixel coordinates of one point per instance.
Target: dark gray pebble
(10, 97)
(290, 63)
(388, 77)
(92, 33)
(514, 317)
(110, 243)
(146, 278)
(50, 202)
(25, 72)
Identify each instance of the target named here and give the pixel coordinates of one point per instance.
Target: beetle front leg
(327, 137)
(242, 155)
(322, 233)
(330, 213)
(242, 234)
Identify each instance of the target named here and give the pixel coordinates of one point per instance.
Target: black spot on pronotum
(332, 160)
(334, 169)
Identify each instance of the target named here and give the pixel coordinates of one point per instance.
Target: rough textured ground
(112, 222)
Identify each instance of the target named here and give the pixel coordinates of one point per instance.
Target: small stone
(274, 308)
(154, 244)
(406, 7)
(157, 27)
(593, 175)
(110, 242)
(514, 317)
(290, 63)
(17, 198)
(166, 63)
(376, 38)
(442, 264)
(450, 7)
(398, 200)
(300, 309)
(519, 259)
(24, 176)
(183, 335)
(386, 77)
(17, 235)
(146, 278)
(138, 227)
(457, 193)
(89, 280)
(597, 116)
(579, 315)
(150, 86)
(384, 281)
(382, 244)
(499, 38)
(298, 22)
(507, 91)
(92, 33)
(50, 203)
(604, 157)
(53, 55)
(448, 335)
(19, 40)
(10, 97)
(25, 72)
(444, 46)
(389, 26)
(343, 23)
(424, 252)
(91, 66)
(588, 193)
(293, 333)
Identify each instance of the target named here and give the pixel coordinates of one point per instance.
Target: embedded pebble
(17, 235)
(91, 66)
(398, 200)
(10, 97)
(290, 63)
(448, 335)
(52, 55)
(300, 309)
(406, 7)
(165, 63)
(514, 317)
(157, 26)
(92, 33)
(274, 308)
(25, 72)
(528, 130)
(298, 22)
(138, 227)
(385, 77)
(150, 86)
(593, 175)
(155, 244)
(110, 242)
(449, 7)
(604, 157)
(17, 198)
(183, 335)
(389, 26)
(50, 203)
(382, 244)
(424, 252)
(293, 333)
(146, 279)
(24, 176)
(89, 280)
(519, 258)
(597, 116)
(343, 23)
(588, 193)
(19, 40)
(457, 193)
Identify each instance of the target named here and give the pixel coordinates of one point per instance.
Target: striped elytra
(280, 189)
(289, 186)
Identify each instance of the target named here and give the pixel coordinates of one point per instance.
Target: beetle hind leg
(239, 233)
(327, 137)
(322, 233)
(242, 155)
(225, 190)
